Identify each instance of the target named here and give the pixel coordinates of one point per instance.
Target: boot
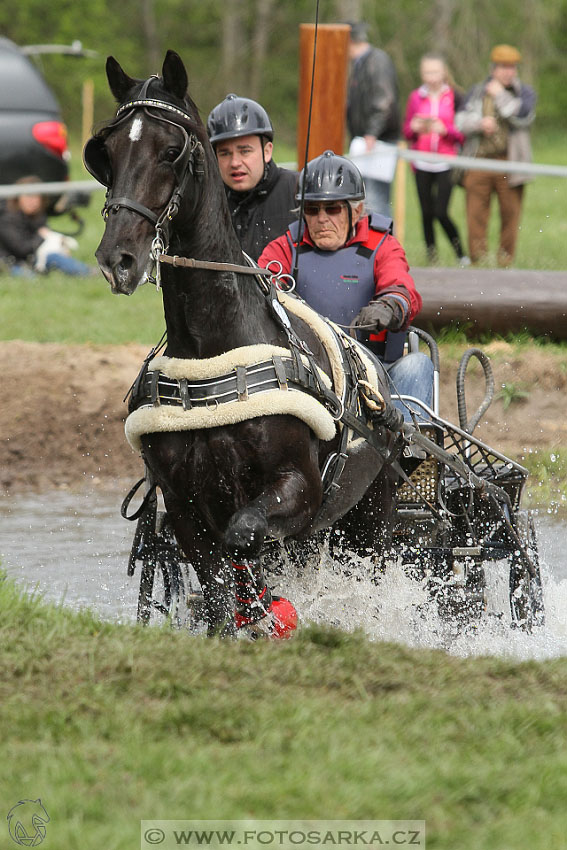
(258, 613)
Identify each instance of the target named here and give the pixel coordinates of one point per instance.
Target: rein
(187, 262)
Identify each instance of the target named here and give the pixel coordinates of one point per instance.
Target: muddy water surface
(74, 548)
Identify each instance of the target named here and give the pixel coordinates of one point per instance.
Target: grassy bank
(113, 724)
(60, 309)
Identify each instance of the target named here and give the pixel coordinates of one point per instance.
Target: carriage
(243, 489)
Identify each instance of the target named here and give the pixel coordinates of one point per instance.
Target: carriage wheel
(166, 591)
(526, 592)
(458, 588)
(161, 593)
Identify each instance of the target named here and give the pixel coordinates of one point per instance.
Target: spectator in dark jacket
(372, 106)
(27, 244)
(261, 196)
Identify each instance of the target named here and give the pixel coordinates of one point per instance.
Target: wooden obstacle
(498, 300)
(329, 89)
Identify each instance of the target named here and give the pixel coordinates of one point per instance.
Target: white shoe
(464, 262)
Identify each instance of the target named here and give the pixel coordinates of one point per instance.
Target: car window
(23, 88)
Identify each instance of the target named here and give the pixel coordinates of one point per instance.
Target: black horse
(226, 488)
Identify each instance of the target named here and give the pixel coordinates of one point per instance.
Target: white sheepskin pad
(323, 330)
(148, 420)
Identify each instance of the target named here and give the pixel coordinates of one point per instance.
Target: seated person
(27, 244)
(352, 270)
(260, 194)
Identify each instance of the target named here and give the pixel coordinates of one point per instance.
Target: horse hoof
(278, 623)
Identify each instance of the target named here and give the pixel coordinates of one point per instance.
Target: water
(74, 548)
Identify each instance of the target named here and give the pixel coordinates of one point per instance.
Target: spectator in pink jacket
(429, 127)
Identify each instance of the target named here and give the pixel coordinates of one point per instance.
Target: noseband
(189, 163)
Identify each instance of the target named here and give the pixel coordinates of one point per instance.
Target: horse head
(153, 158)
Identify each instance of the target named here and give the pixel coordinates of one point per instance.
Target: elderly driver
(351, 269)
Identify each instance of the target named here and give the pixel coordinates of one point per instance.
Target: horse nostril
(125, 263)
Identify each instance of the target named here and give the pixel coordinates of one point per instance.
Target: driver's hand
(383, 314)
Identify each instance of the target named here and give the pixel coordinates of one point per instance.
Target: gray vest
(338, 284)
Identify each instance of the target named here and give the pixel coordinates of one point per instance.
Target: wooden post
(88, 109)
(400, 196)
(329, 89)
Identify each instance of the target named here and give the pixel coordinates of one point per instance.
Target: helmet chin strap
(350, 224)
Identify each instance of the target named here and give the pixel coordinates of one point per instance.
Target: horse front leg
(283, 509)
(213, 570)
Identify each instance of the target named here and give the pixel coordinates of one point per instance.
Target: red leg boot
(258, 613)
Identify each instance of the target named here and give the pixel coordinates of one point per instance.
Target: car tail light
(52, 135)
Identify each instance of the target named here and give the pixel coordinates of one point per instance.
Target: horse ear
(120, 83)
(174, 74)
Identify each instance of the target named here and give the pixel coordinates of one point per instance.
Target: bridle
(190, 164)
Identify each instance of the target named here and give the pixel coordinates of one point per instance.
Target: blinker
(97, 162)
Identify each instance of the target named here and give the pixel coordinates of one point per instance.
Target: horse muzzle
(122, 271)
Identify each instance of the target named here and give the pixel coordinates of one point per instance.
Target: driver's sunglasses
(329, 209)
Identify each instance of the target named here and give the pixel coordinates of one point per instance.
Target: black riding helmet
(238, 116)
(331, 178)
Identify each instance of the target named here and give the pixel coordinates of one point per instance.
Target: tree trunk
(442, 18)
(260, 38)
(151, 36)
(348, 10)
(232, 45)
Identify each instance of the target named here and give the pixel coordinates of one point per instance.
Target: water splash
(75, 548)
(398, 608)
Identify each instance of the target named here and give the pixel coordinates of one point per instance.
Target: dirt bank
(61, 417)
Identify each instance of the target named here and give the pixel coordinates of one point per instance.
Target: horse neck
(209, 312)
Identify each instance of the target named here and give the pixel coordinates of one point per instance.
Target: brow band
(157, 104)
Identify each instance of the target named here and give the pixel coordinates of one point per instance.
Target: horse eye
(171, 154)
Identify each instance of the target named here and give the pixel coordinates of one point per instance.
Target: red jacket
(391, 270)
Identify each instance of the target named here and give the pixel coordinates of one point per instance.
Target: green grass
(113, 724)
(63, 309)
(56, 308)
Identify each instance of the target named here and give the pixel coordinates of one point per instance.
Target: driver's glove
(382, 314)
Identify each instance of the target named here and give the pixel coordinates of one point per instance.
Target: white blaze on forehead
(136, 130)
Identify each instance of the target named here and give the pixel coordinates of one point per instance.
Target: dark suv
(33, 137)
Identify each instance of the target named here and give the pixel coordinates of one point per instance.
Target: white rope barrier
(63, 187)
(477, 164)
(364, 161)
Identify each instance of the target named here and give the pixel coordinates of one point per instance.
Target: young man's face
(241, 161)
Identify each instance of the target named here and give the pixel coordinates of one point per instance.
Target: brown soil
(62, 415)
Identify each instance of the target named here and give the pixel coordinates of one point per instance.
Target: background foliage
(251, 46)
